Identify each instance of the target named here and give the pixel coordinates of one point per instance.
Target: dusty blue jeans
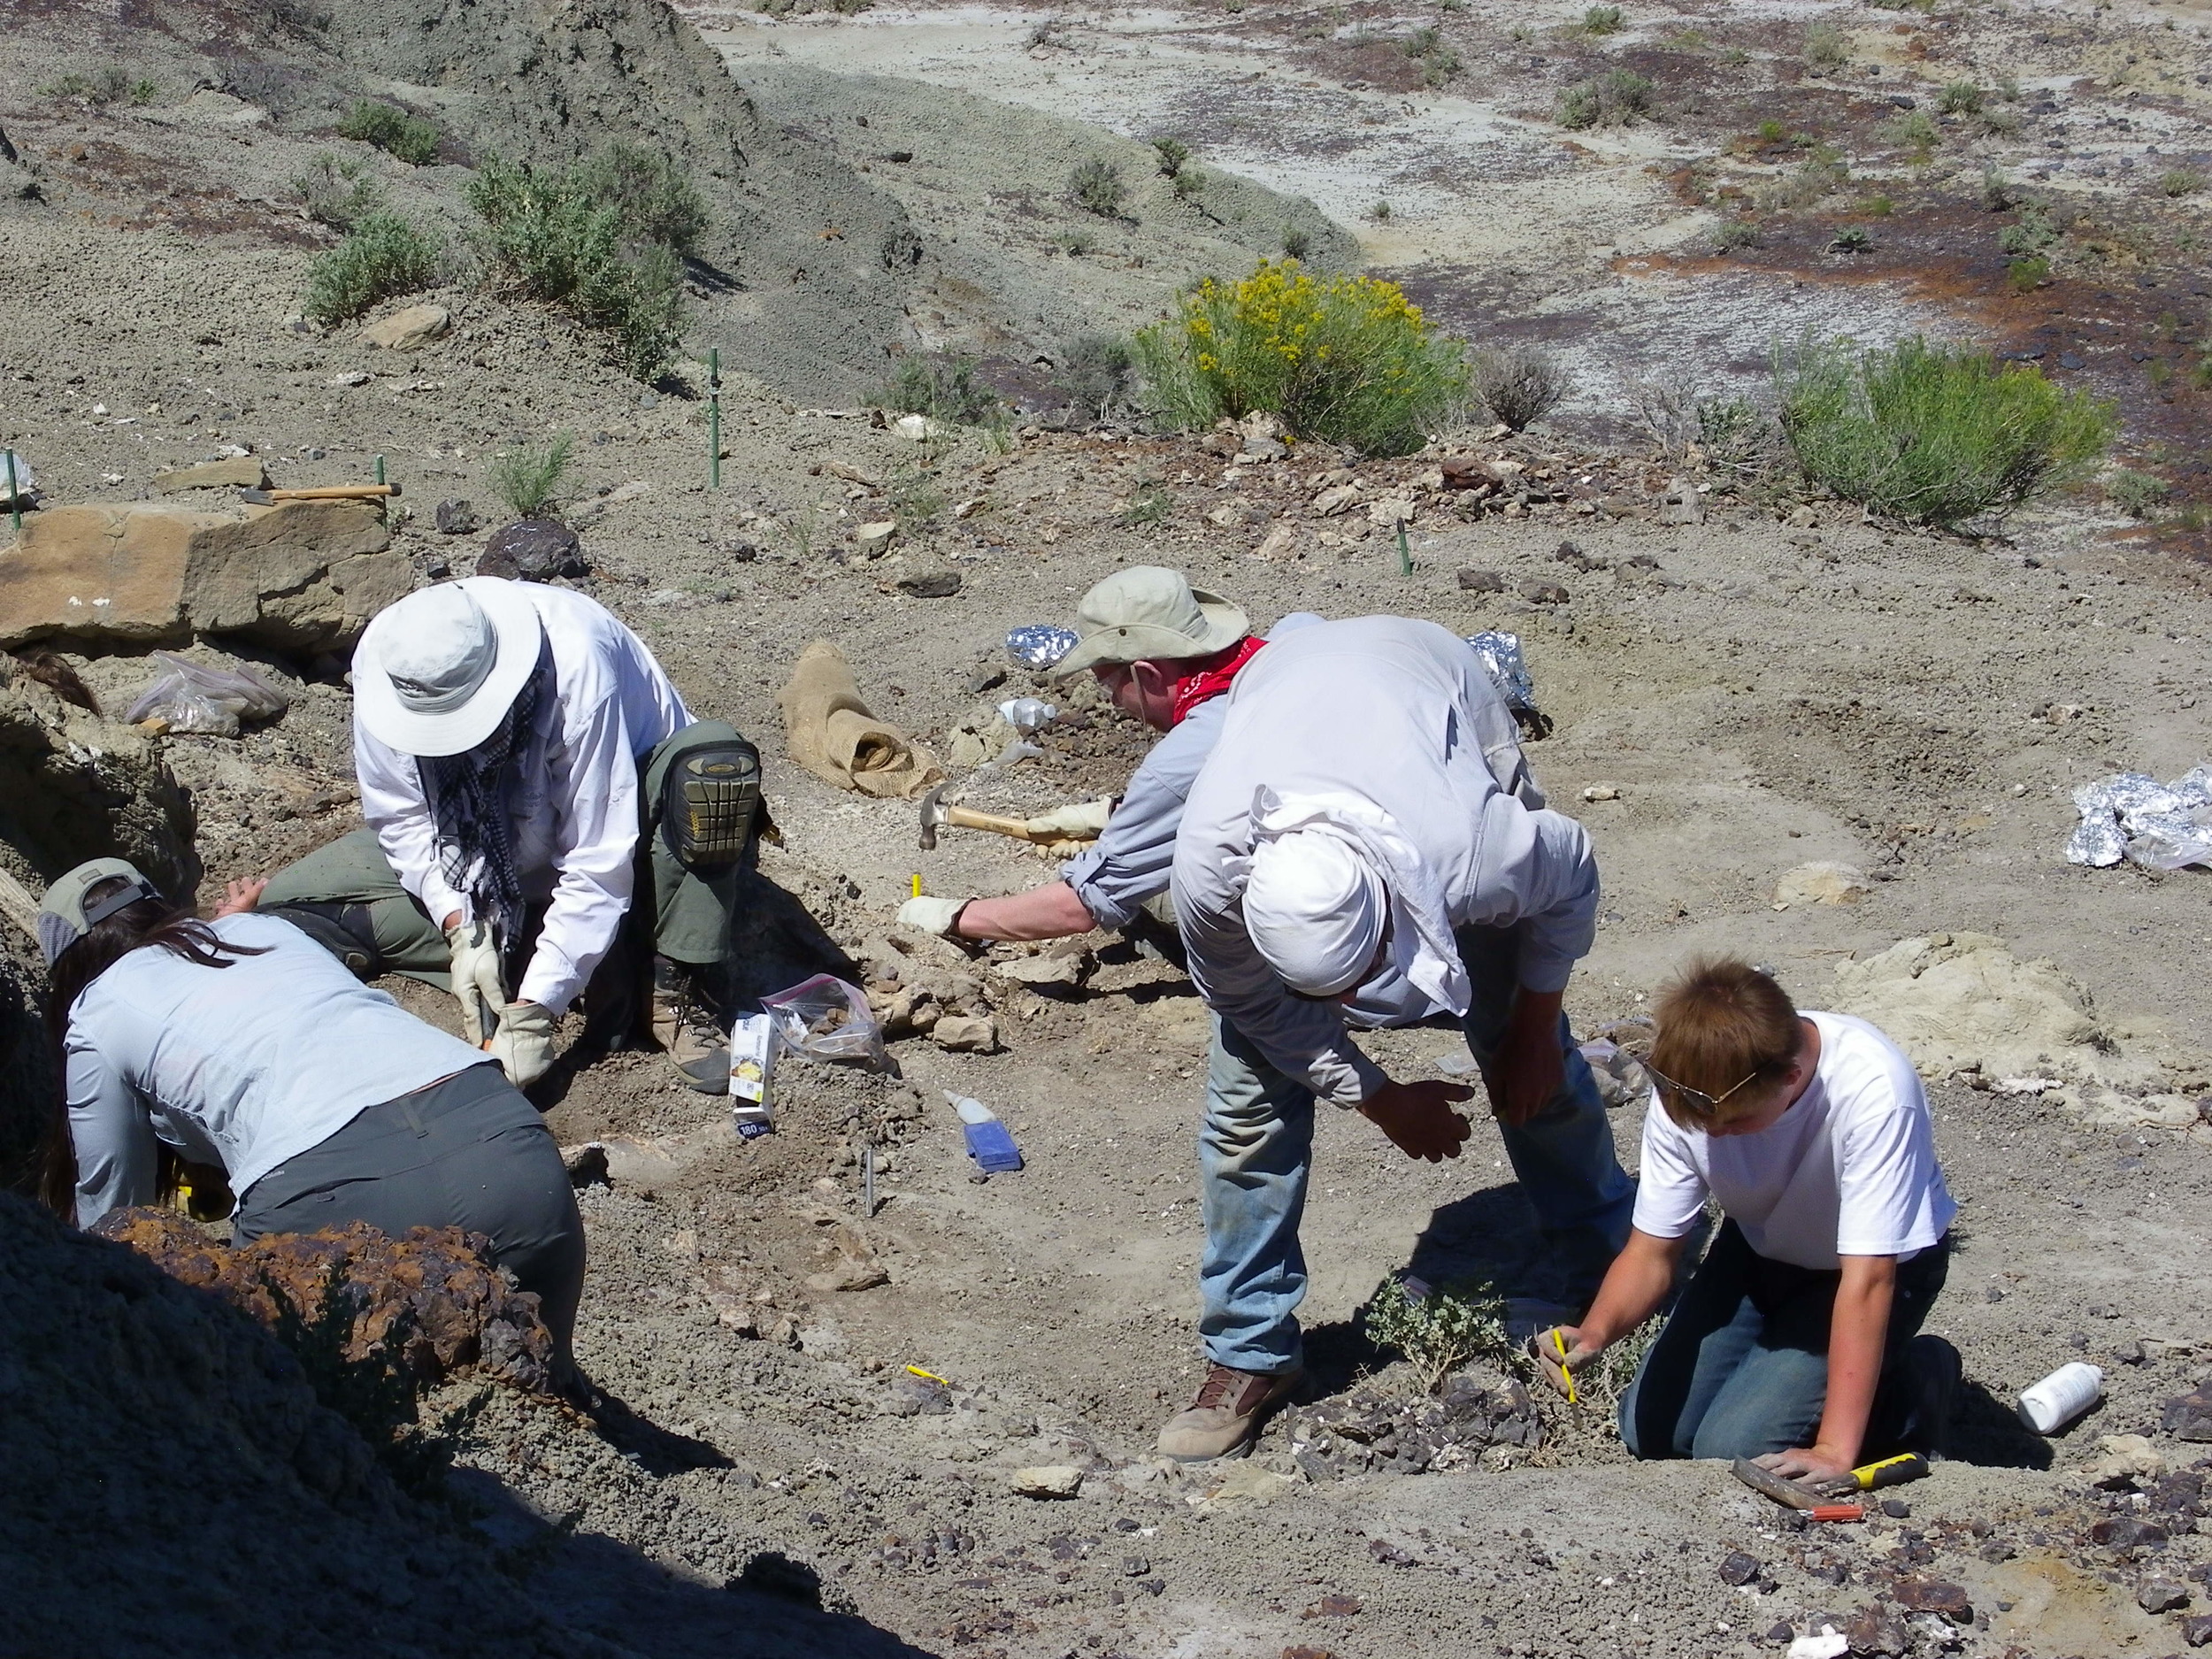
(1255, 1151)
(1740, 1368)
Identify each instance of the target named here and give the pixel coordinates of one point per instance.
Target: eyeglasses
(1699, 1101)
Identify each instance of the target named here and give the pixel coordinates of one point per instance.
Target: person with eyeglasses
(1796, 1342)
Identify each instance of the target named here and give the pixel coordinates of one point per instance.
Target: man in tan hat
(544, 814)
(1164, 652)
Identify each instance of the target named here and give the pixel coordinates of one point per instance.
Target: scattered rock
(1063, 970)
(1934, 1595)
(245, 473)
(456, 517)
(1826, 1643)
(587, 1164)
(1467, 474)
(1542, 593)
(532, 550)
(2127, 1531)
(301, 576)
(1047, 1481)
(1823, 883)
(876, 538)
(966, 1033)
(1333, 1606)
(1601, 792)
(1280, 542)
(1391, 513)
(2197, 1631)
(1227, 516)
(1803, 518)
(2124, 1458)
(930, 584)
(1247, 1484)
(1736, 1568)
(410, 330)
(918, 428)
(1335, 499)
(1877, 1631)
(2189, 1416)
(1683, 504)
(1475, 581)
(2162, 1595)
(1897, 1508)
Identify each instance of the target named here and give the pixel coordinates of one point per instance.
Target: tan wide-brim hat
(1148, 613)
(435, 673)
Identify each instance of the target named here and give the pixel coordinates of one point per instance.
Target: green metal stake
(714, 417)
(15, 498)
(379, 468)
(1405, 555)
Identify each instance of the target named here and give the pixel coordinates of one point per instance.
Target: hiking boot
(1228, 1412)
(1934, 1371)
(698, 1046)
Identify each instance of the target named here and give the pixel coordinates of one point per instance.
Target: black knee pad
(710, 804)
(344, 930)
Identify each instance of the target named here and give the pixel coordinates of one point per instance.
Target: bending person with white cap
(1364, 847)
(1165, 653)
(545, 818)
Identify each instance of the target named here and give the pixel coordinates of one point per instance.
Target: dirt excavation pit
(1827, 744)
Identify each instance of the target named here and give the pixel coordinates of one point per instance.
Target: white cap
(1316, 910)
(436, 672)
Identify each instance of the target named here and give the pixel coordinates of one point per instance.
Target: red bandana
(1203, 686)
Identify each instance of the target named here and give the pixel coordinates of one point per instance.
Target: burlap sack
(829, 731)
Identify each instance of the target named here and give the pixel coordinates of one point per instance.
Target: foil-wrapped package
(1039, 644)
(2132, 815)
(1500, 655)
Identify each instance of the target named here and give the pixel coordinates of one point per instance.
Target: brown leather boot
(1228, 1412)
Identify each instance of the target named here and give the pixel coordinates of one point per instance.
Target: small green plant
(941, 388)
(1914, 131)
(382, 255)
(533, 482)
(1438, 1330)
(405, 137)
(1961, 98)
(1880, 206)
(1150, 508)
(1771, 131)
(334, 193)
(2179, 182)
(1619, 98)
(1439, 62)
(1345, 359)
(2031, 232)
(1735, 57)
(1095, 371)
(2137, 495)
(1077, 242)
(1095, 187)
(1733, 235)
(1188, 181)
(1518, 385)
(1820, 175)
(1173, 152)
(1826, 47)
(111, 83)
(1852, 239)
(1999, 195)
(916, 501)
(2025, 275)
(1380, 211)
(1297, 241)
(1601, 20)
(1934, 434)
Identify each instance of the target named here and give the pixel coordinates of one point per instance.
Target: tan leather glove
(477, 985)
(1082, 820)
(931, 914)
(523, 1043)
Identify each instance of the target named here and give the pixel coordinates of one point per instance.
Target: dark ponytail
(153, 922)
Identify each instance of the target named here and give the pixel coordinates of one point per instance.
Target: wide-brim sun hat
(435, 673)
(1150, 614)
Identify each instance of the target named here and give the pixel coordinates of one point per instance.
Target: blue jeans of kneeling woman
(1255, 1153)
(1740, 1368)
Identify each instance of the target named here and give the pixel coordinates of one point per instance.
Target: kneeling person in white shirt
(1795, 1342)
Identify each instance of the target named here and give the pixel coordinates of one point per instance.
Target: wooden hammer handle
(336, 492)
(965, 817)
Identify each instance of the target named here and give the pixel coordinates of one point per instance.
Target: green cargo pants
(692, 911)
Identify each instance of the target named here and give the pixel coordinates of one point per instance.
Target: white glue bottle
(2061, 1397)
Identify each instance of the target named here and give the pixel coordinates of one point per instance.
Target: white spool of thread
(2068, 1391)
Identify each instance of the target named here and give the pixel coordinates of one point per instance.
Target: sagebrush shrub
(391, 129)
(2137, 495)
(1518, 384)
(940, 388)
(532, 481)
(382, 255)
(1619, 98)
(1826, 47)
(1347, 359)
(334, 193)
(1095, 187)
(1934, 434)
(1095, 371)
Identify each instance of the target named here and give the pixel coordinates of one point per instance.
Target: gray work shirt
(1130, 863)
(1401, 713)
(242, 1066)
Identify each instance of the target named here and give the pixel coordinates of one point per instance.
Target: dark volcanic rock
(456, 517)
(532, 550)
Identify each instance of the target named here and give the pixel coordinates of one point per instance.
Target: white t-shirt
(1848, 1170)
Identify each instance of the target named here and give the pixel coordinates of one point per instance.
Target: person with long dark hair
(241, 1043)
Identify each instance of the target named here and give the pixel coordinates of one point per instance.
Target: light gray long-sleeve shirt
(1131, 860)
(1401, 713)
(242, 1066)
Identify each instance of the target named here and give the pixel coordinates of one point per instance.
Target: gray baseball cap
(1148, 613)
(65, 917)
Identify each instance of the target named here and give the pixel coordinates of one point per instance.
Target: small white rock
(1047, 1481)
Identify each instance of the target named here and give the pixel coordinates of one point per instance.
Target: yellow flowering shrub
(1344, 359)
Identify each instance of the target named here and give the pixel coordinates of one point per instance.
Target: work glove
(1083, 820)
(931, 916)
(523, 1044)
(477, 983)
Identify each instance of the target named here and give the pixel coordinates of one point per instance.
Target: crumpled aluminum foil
(2132, 815)
(1039, 644)
(1500, 655)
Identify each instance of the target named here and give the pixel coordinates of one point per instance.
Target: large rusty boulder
(298, 576)
(423, 1306)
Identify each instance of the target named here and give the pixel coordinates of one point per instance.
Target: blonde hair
(1724, 1029)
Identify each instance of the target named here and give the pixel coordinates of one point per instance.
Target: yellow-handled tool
(1890, 1472)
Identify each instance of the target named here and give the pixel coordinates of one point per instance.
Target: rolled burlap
(828, 730)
